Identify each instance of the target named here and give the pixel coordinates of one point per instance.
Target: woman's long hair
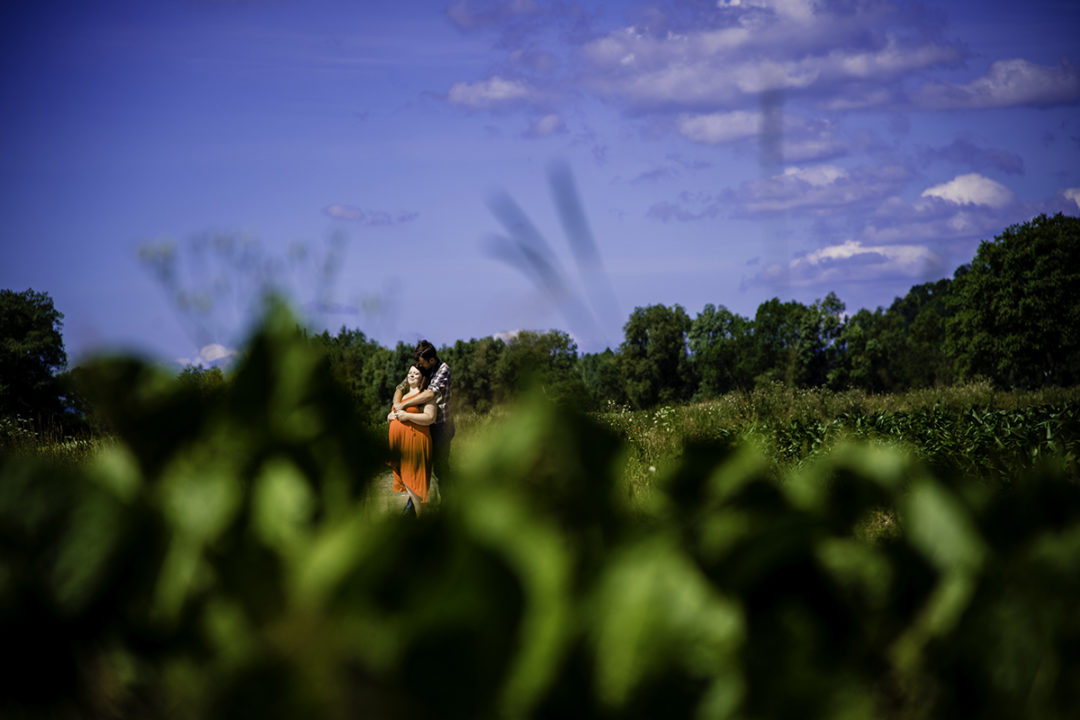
(425, 378)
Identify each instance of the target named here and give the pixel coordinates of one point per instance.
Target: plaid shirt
(440, 385)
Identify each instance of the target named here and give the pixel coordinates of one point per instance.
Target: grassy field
(789, 425)
(973, 429)
(777, 553)
(972, 432)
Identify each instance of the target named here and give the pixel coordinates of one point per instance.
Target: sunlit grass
(18, 436)
(793, 425)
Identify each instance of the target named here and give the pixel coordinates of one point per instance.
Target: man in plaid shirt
(437, 391)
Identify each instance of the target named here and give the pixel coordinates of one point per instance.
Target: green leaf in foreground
(224, 557)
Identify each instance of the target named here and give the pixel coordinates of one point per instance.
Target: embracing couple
(421, 428)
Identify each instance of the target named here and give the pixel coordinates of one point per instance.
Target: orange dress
(410, 455)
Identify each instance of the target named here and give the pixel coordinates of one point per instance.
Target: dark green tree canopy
(654, 357)
(776, 340)
(1017, 309)
(863, 357)
(31, 353)
(601, 379)
(543, 358)
(720, 344)
(474, 365)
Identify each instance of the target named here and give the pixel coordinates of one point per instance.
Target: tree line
(1012, 316)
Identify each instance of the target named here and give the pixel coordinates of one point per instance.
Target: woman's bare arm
(427, 417)
(421, 398)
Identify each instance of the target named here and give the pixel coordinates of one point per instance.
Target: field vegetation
(973, 428)
(775, 522)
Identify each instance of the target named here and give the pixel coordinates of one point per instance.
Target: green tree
(602, 379)
(899, 348)
(720, 343)
(31, 353)
(862, 354)
(653, 356)
(1017, 315)
(929, 364)
(776, 341)
(548, 359)
(207, 382)
(795, 343)
(815, 350)
(472, 365)
(917, 353)
(367, 371)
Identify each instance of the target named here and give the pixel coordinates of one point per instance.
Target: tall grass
(973, 428)
(18, 436)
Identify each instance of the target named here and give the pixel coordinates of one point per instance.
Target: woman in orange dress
(410, 443)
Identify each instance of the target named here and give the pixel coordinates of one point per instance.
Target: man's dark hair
(426, 351)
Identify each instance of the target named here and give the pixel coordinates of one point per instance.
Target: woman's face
(413, 376)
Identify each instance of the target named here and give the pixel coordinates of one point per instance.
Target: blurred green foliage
(225, 558)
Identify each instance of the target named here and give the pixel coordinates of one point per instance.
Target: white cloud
(814, 148)
(214, 352)
(547, 125)
(724, 39)
(489, 93)
(971, 189)
(208, 355)
(1073, 194)
(756, 77)
(774, 45)
(798, 10)
(718, 128)
(853, 261)
(1009, 83)
(902, 256)
(818, 175)
(935, 220)
(892, 59)
(801, 140)
(818, 187)
(345, 212)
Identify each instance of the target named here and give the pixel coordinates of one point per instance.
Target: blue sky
(407, 168)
